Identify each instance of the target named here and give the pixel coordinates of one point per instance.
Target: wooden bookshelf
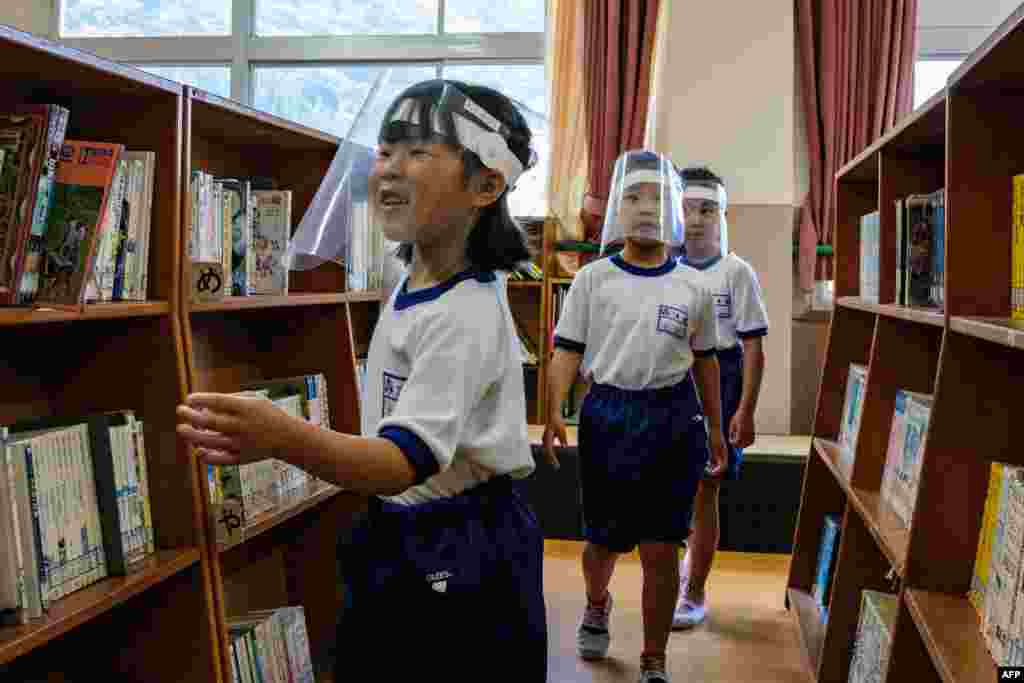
(285, 556)
(114, 356)
(967, 356)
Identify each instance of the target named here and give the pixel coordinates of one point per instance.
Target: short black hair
(497, 241)
(700, 174)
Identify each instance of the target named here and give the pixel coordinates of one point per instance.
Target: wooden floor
(749, 636)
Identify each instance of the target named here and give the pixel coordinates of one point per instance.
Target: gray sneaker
(592, 637)
(654, 677)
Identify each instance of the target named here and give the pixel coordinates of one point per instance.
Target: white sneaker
(592, 636)
(654, 677)
(688, 614)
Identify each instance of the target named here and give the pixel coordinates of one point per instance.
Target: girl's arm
(706, 373)
(230, 429)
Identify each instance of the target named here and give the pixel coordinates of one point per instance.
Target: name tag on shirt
(723, 305)
(673, 320)
(391, 390)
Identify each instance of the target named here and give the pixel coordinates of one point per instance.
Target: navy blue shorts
(731, 364)
(642, 455)
(440, 587)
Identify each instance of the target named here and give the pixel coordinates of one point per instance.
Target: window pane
(328, 98)
(930, 76)
(345, 17)
(145, 17)
(524, 83)
(211, 78)
(513, 16)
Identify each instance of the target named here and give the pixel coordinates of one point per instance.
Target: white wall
(32, 16)
(725, 94)
(958, 26)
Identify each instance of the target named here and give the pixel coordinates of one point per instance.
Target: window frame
(243, 50)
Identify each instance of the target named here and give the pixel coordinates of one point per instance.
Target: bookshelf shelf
(808, 624)
(105, 311)
(267, 521)
(910, 313)
(1004, 331)
(525, 284)
(962, 140)
(828, 451)
(241, 303)
(86, 604)
(948, 624)
(892, 536)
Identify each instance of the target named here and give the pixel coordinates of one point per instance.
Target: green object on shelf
(823, 249)
(577, 245)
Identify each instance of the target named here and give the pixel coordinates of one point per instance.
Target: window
(313, 61)
(329, 97)
(345, 17)
(144, 17)
(930, 76)
(211, 78)
(511, 16)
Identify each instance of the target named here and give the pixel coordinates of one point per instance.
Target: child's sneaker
(592, 637)
(688, 614)
(654, 676)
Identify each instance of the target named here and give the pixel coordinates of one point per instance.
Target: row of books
(74, 507)
(909, 425)
(826, 563)
(239, 493)
(1017, 284)
(75, 215)
(998, 580)
(873, 641)
(270, 646)
(920, 251)
(240, 231)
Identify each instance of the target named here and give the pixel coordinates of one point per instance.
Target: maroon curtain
(856, 61)
(620, 44)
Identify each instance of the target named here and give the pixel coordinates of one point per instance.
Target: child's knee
(659, 557)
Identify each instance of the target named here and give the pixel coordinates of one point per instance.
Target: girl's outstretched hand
(227, 429)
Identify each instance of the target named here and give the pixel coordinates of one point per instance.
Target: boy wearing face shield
(742, 323)
(637, 322)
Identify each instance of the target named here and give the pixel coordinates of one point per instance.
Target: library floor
(749, 636)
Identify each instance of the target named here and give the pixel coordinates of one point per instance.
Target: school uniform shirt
(739, 304)
(445, 384)
(637, 328)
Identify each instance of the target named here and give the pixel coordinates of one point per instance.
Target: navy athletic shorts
(642, 455)
(444, 588)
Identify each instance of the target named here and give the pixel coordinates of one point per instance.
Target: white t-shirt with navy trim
(445, 383)
(739, 304)
(637, 328)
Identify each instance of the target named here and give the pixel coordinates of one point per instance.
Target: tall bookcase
(158, 623)
(966, 139)
(167, 620)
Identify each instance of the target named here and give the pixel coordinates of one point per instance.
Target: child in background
(637, 322)
(742, 323)
(447, 564)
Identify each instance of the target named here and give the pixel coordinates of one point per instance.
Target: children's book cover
(85, 173)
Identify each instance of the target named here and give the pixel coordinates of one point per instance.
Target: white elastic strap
(491, 147)
(643, 176)
(704, 192)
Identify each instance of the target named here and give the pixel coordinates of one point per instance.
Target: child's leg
(703, 541)
(598, 567)
(660, 563)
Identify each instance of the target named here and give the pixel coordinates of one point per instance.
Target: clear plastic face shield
(336, 223)
(706, 233)
(643, 203)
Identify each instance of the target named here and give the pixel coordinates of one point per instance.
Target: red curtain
(856, 61)
(620, 45)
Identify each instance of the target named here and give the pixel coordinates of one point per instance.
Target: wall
(725, 98)
(32, 16)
